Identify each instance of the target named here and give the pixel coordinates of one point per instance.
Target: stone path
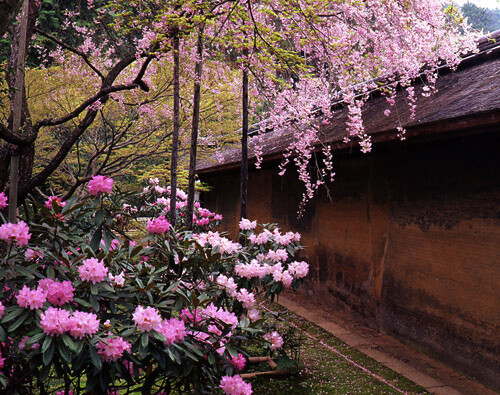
(434, 376)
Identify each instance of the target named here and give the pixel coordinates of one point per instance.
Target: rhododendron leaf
(50, 272)
(46, 343)
(34, 339)
(18, 322)
(96, 239)
(3, 335)
(192, 347)
(64, 353)
(144, 340)
(94, 289)
(107, 237)
(82, 302)
(94, 357)
(211, 359)
(68, 342)
(174, 356)
(13, 312)
(48, 354)
(94, 302)
(159, 336)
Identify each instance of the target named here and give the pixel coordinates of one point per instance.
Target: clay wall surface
(409, 242)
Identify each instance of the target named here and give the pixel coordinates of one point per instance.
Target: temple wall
(409, 242)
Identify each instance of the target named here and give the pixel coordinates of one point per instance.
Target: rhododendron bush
(86, 307)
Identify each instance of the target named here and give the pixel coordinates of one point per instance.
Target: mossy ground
(325, 372)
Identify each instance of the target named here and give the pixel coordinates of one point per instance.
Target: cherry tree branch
(71, 49)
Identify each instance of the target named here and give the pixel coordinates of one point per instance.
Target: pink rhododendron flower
(158, 225)
(253, 315)
(32, 254)
(275, 339)
(93, 270)
(18, 232)
(235, 386)
(81, 324)
(100, 184)
(147, 318)
(58, 293)
(298, 269)
(238, 362)
(3, 200)
(32, 299)
(246, 298)
(2, 310)
(118, 280)
(277, 256)
(246, 224)
(57, 200)
(55, 321)
(113, 350)
(173, 329)
(225, 316)
(228, 283)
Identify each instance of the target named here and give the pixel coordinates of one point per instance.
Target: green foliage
(480, 18)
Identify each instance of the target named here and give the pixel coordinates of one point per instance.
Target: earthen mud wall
(409, 241)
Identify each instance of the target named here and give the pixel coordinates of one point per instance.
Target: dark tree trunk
(17, 110)
(244, 149)
(175, 134)
(194, 131)
(8, 10)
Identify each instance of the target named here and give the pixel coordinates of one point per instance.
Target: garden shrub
(87, 306)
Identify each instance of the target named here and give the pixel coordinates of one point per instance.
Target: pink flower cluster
(275, 339)
(246, 298)
(225, 316)
(93, 270)
(238, 362)
(278, 255)
(298, 269)
(58, 293)
(235, 386)
(173, 329)
(100, 184)
(3, 200)
(112, 349)
(215, 240)
(32, 299)
(206, 217)
(18, 232)
(2, 310)
(57, 200)
(55, 321)
(146, 319)
(246, 224)
(158, 225)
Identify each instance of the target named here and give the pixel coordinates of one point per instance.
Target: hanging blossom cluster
(367, 46)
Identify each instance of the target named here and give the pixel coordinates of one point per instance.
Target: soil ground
(436, 377)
